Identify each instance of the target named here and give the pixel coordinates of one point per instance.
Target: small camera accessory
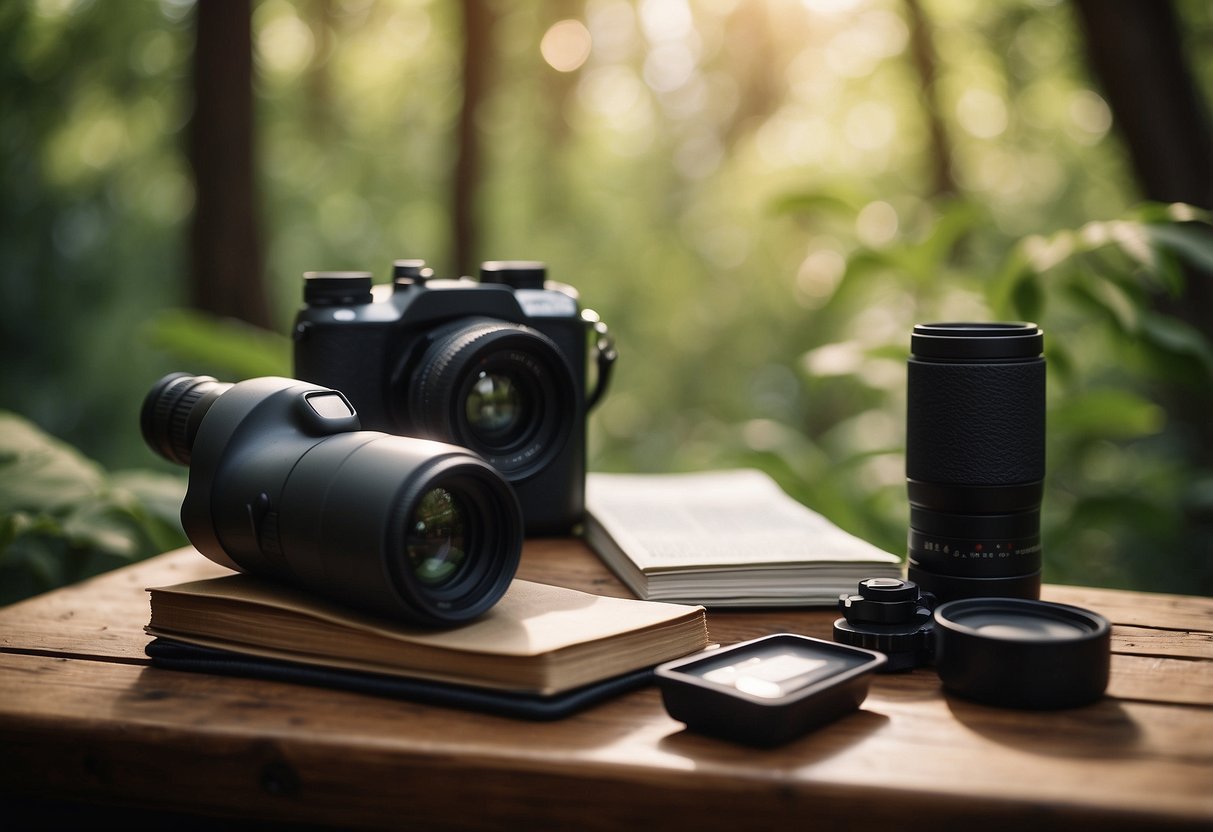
(890, 616)
(769, 690)
(284, 485)
(1019, 653)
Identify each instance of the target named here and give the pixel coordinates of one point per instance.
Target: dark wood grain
(82, 716)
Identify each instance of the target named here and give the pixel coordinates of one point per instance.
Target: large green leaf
(62, 517)
(40, 473)
(224, 346)
(1106, 413)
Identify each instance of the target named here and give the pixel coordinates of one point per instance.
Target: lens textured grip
(976, 424)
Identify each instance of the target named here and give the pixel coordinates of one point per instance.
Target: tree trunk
(226, 268)
(922, 53)
(1136, 53)
(477, 59)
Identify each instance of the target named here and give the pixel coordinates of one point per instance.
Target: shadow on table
(1092, 730)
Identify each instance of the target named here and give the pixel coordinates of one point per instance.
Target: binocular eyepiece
(283, 484)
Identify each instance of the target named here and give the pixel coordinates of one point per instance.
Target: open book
(729, 538)
(537, 639)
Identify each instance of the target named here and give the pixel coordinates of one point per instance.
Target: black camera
(975, 458)
(284, 485)
(498, 365)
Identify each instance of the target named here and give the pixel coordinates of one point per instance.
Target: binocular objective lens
(436, 540)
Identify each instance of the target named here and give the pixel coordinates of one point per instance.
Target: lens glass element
(436, 539)
(495, 407)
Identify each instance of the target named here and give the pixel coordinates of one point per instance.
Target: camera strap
(605, 355)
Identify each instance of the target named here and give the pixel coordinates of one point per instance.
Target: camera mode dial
(517, 274)
(337, 288)
(407, 273)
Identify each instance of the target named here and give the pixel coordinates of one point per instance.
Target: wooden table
(85, 719)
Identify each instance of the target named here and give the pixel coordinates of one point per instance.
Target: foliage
(741, 189)
(63, 518)
(1125, 476)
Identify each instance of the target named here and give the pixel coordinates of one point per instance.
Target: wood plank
(1138, 609)
(114, 731)
(1162, 679)
(1145, 641)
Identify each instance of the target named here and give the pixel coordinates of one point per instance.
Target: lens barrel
(283, 485)
(975, 458)
(173, 410)
(501, 389)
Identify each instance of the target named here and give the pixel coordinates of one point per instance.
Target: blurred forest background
(760, 197)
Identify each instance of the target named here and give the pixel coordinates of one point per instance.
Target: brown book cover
(537, 639)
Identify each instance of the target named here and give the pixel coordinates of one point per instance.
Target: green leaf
(1107, 413)
(227, 347)
(40, 473)
(160, 494)
(1178, 339)
(953, 226)
(1191, 242)
(834, 202)
(1171, 212)
(1107, 298)
(105, 526)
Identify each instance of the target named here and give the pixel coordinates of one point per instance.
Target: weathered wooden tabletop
(84, 718)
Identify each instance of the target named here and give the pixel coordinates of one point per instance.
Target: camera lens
(283, 485)
(495, 408)
(975, 458)
(436, 542)
(503, 390)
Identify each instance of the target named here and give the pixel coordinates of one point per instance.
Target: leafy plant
(63, 518)
(1129, 478)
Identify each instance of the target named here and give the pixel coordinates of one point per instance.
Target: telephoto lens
(284, 485)
(975, 458)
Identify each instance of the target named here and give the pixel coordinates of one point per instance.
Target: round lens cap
(1019, 653)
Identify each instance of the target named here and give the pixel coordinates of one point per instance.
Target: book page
(716, 518)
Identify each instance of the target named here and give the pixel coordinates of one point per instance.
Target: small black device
(498, 365)
(1022, 653)
(890, 616)
(284, 485)
(975, 458)
(769, 690)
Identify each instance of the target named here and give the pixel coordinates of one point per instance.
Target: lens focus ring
(976, 424)
(503, 390)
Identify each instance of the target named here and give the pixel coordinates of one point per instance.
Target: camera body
(498, 365)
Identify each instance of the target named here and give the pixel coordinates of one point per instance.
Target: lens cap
(1018, 653)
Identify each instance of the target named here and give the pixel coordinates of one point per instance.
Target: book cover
(539, 639)
(724, 538)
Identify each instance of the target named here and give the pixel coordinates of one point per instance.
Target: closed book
(538, 639)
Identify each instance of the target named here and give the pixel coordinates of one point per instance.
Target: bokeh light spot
(566, 45)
